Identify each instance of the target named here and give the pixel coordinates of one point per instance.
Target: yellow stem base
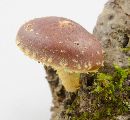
(71, 81)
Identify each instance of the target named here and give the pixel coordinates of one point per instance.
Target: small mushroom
(62, 44)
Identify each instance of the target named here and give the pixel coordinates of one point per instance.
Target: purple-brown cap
(60, 43)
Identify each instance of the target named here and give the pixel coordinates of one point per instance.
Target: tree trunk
(91, 101)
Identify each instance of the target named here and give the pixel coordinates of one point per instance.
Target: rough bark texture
(113, 30)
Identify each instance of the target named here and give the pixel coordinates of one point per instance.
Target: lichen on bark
(105, 95)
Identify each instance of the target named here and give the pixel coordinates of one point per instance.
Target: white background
(24, 91)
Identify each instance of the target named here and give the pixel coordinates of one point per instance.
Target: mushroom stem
(71, 81)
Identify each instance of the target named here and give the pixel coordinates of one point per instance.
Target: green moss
(113, 93)
(126, 49)
(129, 61)
(109, 95)
(73, 106)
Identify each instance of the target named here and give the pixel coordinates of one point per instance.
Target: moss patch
(108, 97)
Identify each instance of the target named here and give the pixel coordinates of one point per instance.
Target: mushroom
(62, 44)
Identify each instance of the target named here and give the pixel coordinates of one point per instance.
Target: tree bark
(113, 31)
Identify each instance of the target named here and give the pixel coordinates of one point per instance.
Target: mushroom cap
(60, 43)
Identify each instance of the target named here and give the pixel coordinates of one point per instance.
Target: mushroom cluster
(62, 44)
